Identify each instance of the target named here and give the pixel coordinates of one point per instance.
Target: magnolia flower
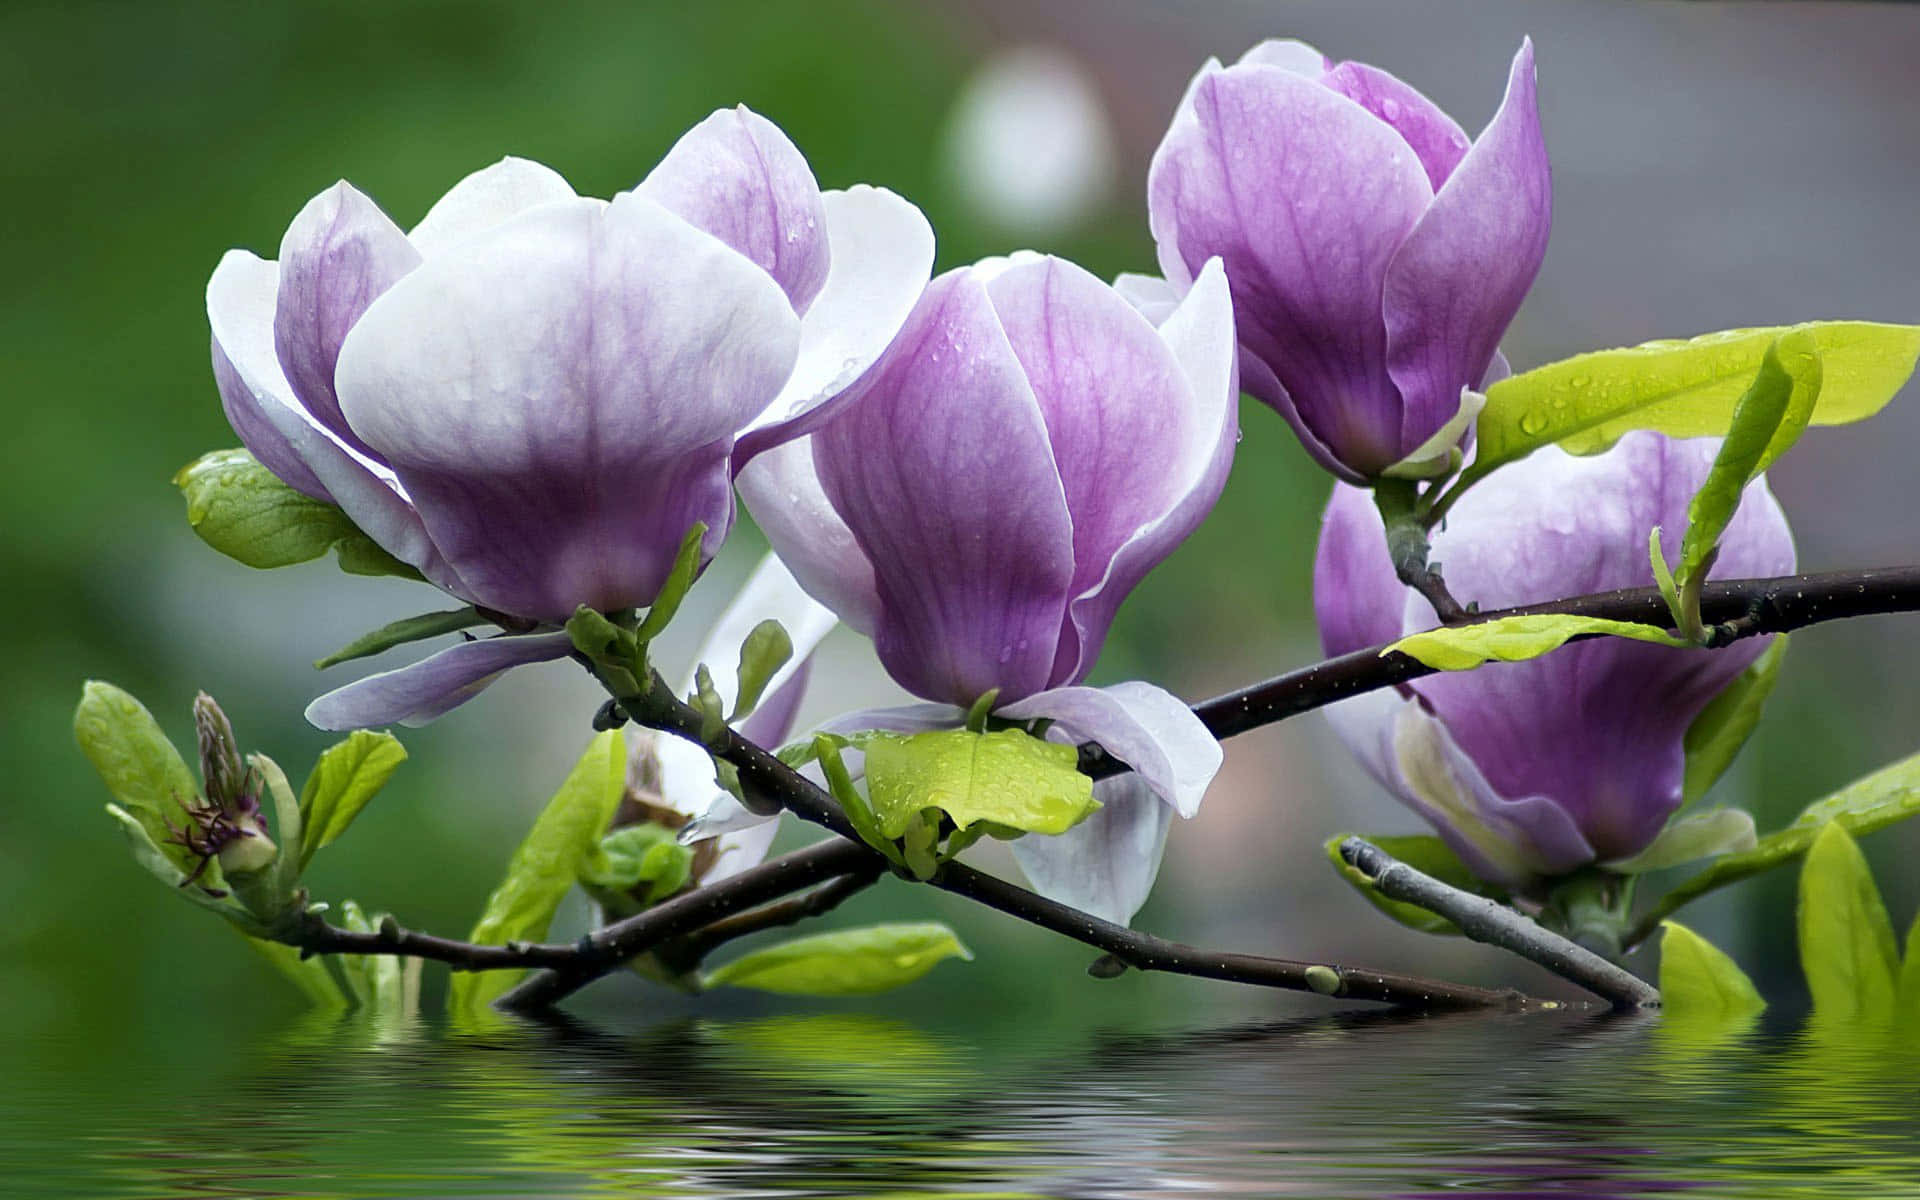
(1027, 450)
(533, 396)
(670, 780)
(1534, 769)
(1375, 255)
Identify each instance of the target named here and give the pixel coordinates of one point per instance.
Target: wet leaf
(1009, 778)
(245, 512)
(1515, 639)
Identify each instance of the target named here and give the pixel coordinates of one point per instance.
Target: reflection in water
(845, 1104)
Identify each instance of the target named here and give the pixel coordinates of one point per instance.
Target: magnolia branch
(1493, 923)
(709, 916)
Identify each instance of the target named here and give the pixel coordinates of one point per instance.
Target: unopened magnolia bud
(220, 767)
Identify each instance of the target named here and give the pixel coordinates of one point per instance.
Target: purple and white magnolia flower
(1534, 769)
(1026, 451)
(1375, 255)
(533, 395)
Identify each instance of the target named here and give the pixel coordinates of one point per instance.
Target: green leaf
(245, 512)
(1766, 421)
(1515, 639)
(310, 975)
(272, 897)
(631, 856)
(1874, 802)
(1846, 941)
(1688, 839)
(347, 775)
(139, 766)
(860, 814)
(399, 633)
(765, 650)
(1009, 777)
(686, 565)
(1908, 1016)
(1424, 853)
(545, 866)
(1723, 726)
(1682, 388)
(1699, 983)
(847, 962)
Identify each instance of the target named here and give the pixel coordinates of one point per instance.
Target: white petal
(882, 251)
(1153, 296)
(782, 491)
(1289, 55)
(1107, 863)
(485, 199)
(1143, 726)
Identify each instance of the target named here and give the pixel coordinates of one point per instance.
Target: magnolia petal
(898, 718)
(1141, 725)
(782, 490)
(286, 438)
(339, 253)
(1115, 400)
(1436, 137)
(738, 177)
(612, 350)
(1200, 335)
(416, 694)
(1153, 296)
(941, 469)
(770, 594)
(1270, 178)
(487, 198)
(1289, 54)
(1106, 865)
(882, 258)
(1458, 280)
(1358, 601)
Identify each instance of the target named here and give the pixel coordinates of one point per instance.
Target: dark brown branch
(690, 951)
(1495, 924)
(772, 781)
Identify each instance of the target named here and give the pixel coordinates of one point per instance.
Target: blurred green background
(1716, 165)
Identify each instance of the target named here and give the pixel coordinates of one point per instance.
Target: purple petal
(897, 718)
(1503, 840)
(240, 300)
(1615, 711)
(1456, 284)
(783, 492)
(1117, 406)
(941, 469)
(882, 257)
(1306, 196)
(559, 394)
(737, 176)
(1142, 726)
(484, 199)
(416, 694)
(1357, 599)
(285, 438)
(1200, 335)
(339, 253)
(1436, 137)
(1107, 863)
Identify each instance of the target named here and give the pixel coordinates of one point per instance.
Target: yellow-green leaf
(139, 766)
(1515, 639)
(1008, 777)
(1683, 388)
(545, 866)
(1699, 983)
(1846, 941)
(846, 962)
(245, 512)
(347, 775)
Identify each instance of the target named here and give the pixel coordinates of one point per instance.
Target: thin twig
(318, 937)
(690, 951)
(1488, 921)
